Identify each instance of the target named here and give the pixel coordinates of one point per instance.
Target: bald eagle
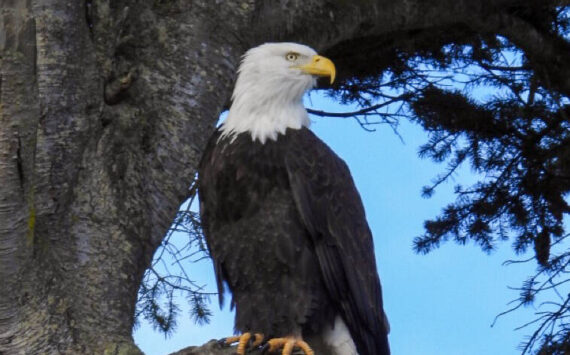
(284, 223)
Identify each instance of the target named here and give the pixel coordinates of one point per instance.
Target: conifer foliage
(494, 96)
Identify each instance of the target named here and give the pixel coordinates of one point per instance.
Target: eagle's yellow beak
(320, 66)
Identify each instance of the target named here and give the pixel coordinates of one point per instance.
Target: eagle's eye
(292, 56)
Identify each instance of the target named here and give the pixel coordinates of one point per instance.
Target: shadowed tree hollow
(105, 107)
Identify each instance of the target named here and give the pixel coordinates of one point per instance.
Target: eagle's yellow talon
(243, 341)
(288, 348)
(305, 347)
(288, 344)
(258, 340)
(231, 340)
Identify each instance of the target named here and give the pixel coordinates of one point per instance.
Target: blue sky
(440, 303)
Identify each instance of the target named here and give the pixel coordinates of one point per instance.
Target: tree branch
(365, 111)
(548, 55)
(212, 347)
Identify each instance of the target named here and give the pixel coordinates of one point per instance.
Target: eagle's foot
(245, 341)
(288, 343)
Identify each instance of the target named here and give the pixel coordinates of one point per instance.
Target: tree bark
(105, 107)
(211, 348)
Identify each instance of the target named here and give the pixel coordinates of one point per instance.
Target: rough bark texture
(104, 109)
(210, 348)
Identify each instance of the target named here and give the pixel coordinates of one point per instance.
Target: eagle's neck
(266, 107)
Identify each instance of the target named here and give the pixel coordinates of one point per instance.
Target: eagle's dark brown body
(287, 232)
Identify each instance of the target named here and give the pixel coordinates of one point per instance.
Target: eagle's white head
(268, 96)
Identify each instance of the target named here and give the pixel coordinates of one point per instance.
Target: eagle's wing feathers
(210, 165)
(332, 211)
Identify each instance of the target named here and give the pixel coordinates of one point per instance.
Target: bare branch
(365, 111)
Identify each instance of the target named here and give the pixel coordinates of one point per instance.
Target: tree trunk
(105, 107)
